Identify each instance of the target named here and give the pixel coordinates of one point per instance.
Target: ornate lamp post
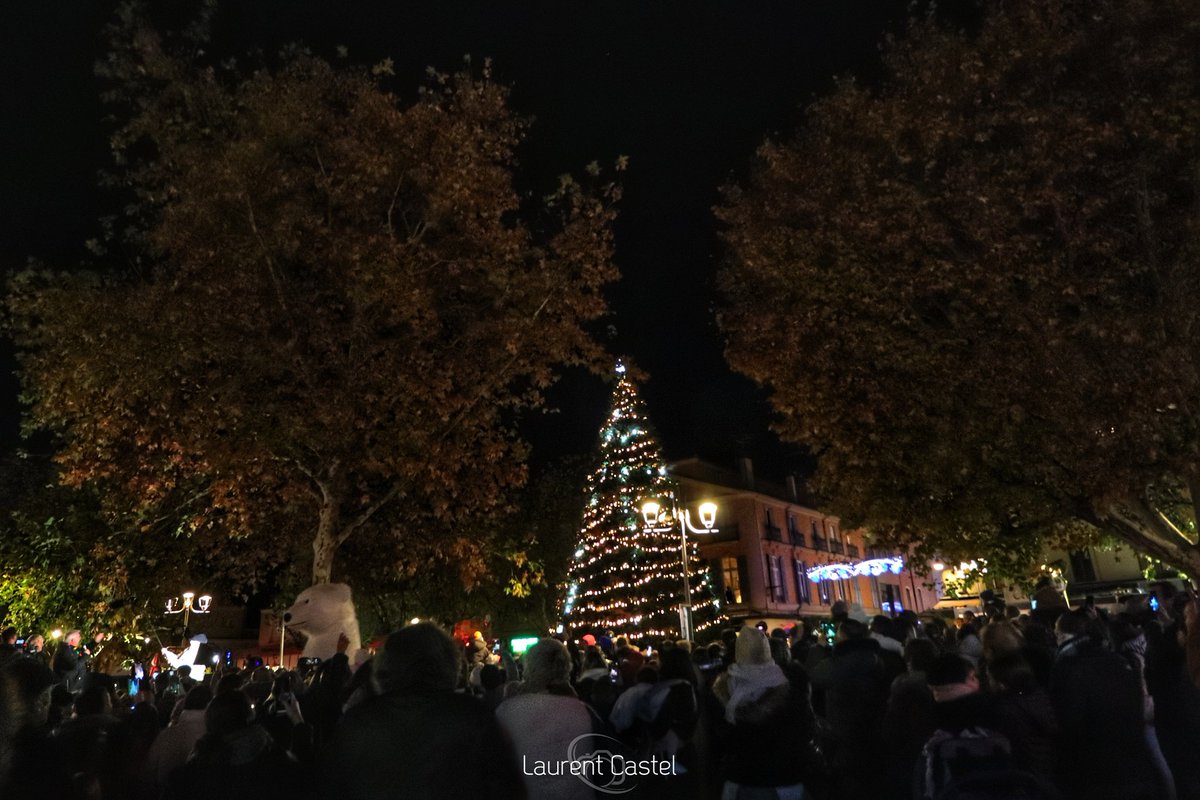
(190, 604)
(661, 520)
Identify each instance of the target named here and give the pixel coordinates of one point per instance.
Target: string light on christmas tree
(626, 578)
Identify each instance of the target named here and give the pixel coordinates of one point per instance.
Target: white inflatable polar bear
(322, 613)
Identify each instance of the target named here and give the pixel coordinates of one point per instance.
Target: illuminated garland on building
(625, 579)
(872, 567)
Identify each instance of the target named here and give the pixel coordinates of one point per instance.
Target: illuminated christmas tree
(624, 578)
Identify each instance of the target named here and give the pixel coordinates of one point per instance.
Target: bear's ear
(338, 591)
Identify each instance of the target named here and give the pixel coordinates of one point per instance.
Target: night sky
(687, 90)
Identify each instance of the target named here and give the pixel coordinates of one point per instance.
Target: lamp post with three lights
(660, 519)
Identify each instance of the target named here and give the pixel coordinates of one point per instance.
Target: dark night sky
(687, 89)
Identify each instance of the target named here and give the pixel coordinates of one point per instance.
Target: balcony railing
(773, 533)
(797, 537)
(836, 547)
(819, 543)
(852, 550)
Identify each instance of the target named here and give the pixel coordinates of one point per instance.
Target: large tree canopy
(975, 290)
(334, 302)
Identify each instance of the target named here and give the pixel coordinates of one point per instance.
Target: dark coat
(772, 742)
(1027, 719)
(69, 667)
(856, 686)
(907, 725)
(420, 746)
(1098, 700)
(247, 763)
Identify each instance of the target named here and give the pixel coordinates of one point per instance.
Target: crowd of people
(1055, 703)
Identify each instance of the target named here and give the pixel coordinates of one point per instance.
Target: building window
(1082, 567)
(733, 580)
(776, 591)
(818, 541)
(823, 592)
(803, 590)
(794, 532)
(771, 531)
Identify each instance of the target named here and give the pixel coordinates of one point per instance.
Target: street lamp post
(661, 520)
(189, 605)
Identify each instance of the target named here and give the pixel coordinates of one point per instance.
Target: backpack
(975, 764)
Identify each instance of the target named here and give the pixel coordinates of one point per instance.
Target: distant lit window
(733, 580)
(803, 586)
(775, 588)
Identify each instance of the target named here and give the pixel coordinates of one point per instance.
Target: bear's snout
(287, 616)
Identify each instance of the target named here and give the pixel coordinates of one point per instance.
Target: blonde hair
(1000, 638)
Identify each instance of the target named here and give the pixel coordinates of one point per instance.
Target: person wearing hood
(544, 719)
(766, 724)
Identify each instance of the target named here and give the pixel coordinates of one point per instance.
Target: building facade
(776, 559)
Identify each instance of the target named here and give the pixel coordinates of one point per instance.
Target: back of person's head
(949, 669)
(198, 698)
(647, 674)
(677, 665)
(228, 713)
(968, 629)
(1072, 623)
(850, 630)
(491, 676)
(1012, 671)
(621, 641)
(547, 666)
(1036, 633)
(881, 625)
(781, 654)
(683, 644)
(8, 635)
(29, 688)
(839, 610)
(752, 647)
(184, 672)
(919, 654)
(95, 699)
(228, 683)
(421, 658)
(779, 633)
(999, 638)
(716, 650)
(594, 659)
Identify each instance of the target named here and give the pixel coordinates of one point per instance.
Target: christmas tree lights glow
(624, 578)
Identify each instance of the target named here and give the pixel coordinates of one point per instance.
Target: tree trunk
(1135, 523)
(325, 543)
